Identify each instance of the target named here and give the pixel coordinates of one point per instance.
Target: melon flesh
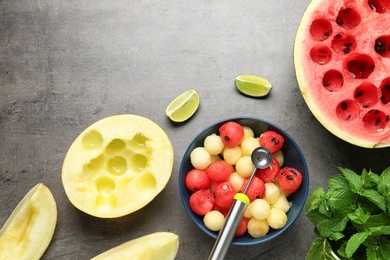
(342, 63)
(117, 166)
(155, 246)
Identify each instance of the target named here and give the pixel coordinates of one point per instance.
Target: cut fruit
(183, 106)
(342, 64)
(117, 166)
(155, 246)
(28, 231)
(253, 86)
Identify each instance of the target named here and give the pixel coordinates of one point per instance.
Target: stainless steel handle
(226, 234)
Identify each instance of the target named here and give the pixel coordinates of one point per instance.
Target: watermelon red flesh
(342, 63)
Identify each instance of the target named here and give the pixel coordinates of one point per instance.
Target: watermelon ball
(270, 173)
(224, 194)
(271, 140)
(201, 202)
(197, 180)
(242, 227)
(289, 179)
(231, 133)
(256, 189)
(219, 171)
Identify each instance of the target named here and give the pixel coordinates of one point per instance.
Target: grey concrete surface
(67, 64)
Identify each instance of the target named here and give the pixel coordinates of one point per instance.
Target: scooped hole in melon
(320, 29)
(117, 165)
(385, 91)
(343, 43)
(359, 66)
(375, 120)
(333, 80)
(321, 54)
(366, 95)
(347, 110)
(92, 140)
(348, 18)
(382, 46)
(116, 145)
(379, 6)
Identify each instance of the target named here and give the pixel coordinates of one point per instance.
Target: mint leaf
(370, 179)
(384, 244)
(373, 253)
(374, 197)
(355, 181)
(341, 200)
(315, 200)
(354, 242)
(320, 250)
(384, 183)
(327, 226)
(359, 216)
(338, 181)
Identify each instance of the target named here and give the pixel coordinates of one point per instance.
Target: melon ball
(279, 157)
(248, 145)
(213, 144)
(231, 155)
(272, 194)
(214, 220)
(257, 228)
(247, 212)
(236, 180)
(260, 209)
(277, 218)
(244, 166)
(200, 158)
(282, 203)
(248, 132)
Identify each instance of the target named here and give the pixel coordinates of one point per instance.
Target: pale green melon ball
(260, 209)
(248, 145)
(214, 220)
(200, 158)
(272, 194)
(231, 155)
(248, 132)
(244, 166)
(277, 218)
(213, 144)
(257, 228)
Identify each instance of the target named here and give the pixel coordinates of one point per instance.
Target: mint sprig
(352, 218)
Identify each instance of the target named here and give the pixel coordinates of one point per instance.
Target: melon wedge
(117, 165)
(155, 246)
(28, 231)
(342, 64)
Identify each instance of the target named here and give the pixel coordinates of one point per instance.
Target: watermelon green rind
(322, 102)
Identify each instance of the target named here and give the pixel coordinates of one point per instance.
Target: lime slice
(252, 85)
(183, 107)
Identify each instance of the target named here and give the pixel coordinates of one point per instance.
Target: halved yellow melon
(117, 166)
(28, 231)
(155, 246)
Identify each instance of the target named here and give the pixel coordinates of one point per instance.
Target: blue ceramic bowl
(293, 157)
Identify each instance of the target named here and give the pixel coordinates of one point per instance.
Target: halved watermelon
(342, 64)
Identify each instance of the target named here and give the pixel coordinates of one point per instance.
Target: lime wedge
(252, 85)
(183, 107)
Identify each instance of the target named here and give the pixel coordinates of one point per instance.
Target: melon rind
(309, 78)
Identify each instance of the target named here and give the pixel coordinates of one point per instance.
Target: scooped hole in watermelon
(320, 29)
(333, 80)
(366, 95)
(348, 18)
(382, 46)
(321, 54)
(360, 66)
(375, 120)
(379, 6)
(385, 91)
(347, 110)
(343, 43)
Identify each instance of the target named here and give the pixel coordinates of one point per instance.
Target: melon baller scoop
(261, 157)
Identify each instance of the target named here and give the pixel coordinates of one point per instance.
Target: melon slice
(342, 64)
(28, 231)
(155, 246)
(117, 166)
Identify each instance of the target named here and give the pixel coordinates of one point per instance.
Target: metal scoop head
(261, 157)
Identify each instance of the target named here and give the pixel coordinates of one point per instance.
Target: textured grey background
(67, 64)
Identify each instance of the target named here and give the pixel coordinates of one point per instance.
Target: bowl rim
(236, 241)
